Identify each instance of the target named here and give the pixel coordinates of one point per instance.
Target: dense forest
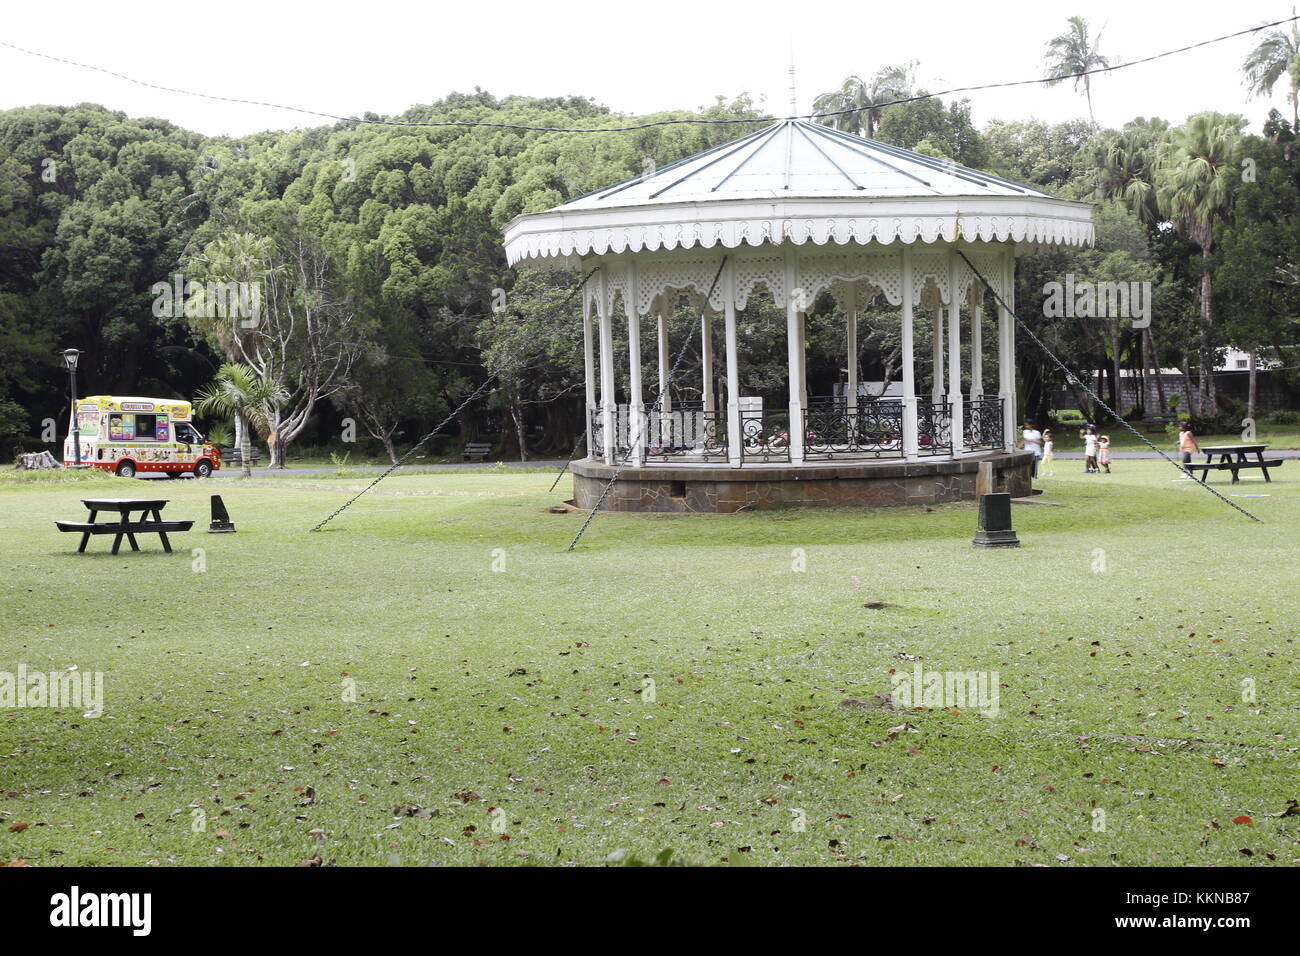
(376, 254)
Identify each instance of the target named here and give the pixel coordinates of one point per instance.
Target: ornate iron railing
(983, 424)
(934, 428)
(872, 429)
(596, 447)
(623, 434)
(686, 434)
(765, 434)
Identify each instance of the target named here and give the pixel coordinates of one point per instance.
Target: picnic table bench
(1234, 458)
(124, 527)
(476, 450)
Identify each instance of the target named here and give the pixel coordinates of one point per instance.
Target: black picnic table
(149, 522)
(1234, 458)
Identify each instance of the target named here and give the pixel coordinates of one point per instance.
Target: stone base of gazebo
(709, 489)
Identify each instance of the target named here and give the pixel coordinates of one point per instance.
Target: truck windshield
(88, 422)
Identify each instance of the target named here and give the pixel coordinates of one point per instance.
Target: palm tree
(1275, 54)
(240, 257)
(239, 392)
(859, 97)
(1072, 55)
(1123, 165)
(1195, 174)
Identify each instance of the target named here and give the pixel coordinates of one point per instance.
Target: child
(1033, 442)
(1187, 445)
(1048, 445)
(1103, 453)
(1090, 452)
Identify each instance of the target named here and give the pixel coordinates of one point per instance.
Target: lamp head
(70, 357)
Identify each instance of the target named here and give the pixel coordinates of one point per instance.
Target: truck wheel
(203, 469)
(125, 469)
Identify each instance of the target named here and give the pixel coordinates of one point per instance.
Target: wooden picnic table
(124, 526)
(1234, 458)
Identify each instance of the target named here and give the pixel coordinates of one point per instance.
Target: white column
(909, 363)
(977, 345)
(936, 351)
(664, 360)
(733, 366)
(636, 401)
(608, 399)
(589, 367)
(794, 353)
(1007, 349)
(706, 359)
(954, 355)
(803, 359)
(851, 335)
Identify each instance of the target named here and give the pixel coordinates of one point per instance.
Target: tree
(1053, 158)
(1072, 54)
(1256, 275)
(949, 133)
(1277, 53)
(233, 257)
(1196, 172)
(254, 402)
(859, 98)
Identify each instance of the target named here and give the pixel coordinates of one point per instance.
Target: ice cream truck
(131, 436)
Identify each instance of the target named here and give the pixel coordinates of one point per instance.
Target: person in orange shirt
(1187, 445)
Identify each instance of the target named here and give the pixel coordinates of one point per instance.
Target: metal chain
(1072, 378)
(582, 436)
(635, 437)
(442, 424)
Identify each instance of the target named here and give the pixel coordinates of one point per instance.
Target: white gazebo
(798, 209)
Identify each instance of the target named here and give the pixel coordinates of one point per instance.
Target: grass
(372, 693)
(1121, 439)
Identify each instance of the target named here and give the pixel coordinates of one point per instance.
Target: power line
(655, 123)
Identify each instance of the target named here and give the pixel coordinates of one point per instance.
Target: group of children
(1096, 450)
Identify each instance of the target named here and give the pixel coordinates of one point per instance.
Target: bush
(1284, 417)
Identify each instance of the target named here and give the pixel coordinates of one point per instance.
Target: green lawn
(1121, 634)
(1121, 439)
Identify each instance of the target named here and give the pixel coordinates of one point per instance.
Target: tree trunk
(519, 431)
(245, 446)
(1207, 353)
(1155, 365)
(1188, 392)
(389, 447)
(1116, 384)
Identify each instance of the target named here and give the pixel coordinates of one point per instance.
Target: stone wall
(713, 490)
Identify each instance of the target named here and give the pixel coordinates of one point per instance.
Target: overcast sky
(349, 57)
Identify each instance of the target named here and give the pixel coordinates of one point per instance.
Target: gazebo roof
(801, 182)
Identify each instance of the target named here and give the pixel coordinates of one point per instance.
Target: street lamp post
(70, 357)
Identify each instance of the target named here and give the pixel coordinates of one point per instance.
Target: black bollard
(221, 522)
(995, 529)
